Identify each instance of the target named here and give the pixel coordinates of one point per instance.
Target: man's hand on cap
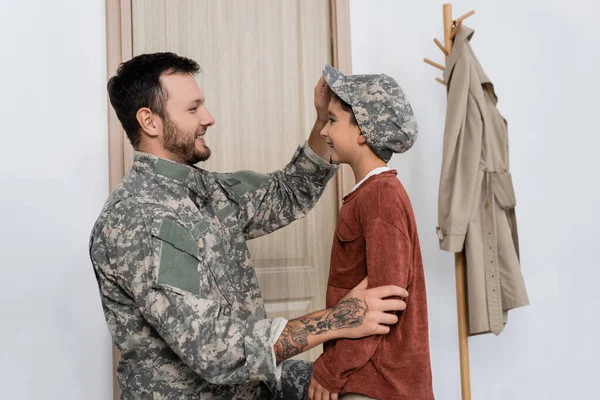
(322, 97)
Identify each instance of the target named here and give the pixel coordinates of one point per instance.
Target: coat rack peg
(438, 66)
(459, 20)
(455, 30)
(442, 48)
(440, 81)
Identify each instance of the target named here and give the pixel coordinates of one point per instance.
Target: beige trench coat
(476, 205)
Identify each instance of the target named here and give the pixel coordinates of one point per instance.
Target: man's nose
(207, 119)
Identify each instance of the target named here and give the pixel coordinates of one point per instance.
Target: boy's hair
(137, 84)
(346, 107)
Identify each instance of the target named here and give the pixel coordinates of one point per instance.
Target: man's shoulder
(136, 198)
(118, 212)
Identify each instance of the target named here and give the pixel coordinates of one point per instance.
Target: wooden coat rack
(451, 26)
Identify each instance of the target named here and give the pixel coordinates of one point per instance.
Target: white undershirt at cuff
(277, 327)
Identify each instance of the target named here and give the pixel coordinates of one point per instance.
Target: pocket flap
(199, 230)
(504, 190)
(242, 182)
(225, 212)
(178, 264)
(177, 236)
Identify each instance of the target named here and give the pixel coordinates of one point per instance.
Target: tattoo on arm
(349, 313)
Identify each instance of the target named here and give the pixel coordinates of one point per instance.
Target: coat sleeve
(461, 158)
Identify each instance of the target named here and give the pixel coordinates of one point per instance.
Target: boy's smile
(340, 134)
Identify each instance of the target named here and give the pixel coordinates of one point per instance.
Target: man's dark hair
(137, 85)
(346, 107)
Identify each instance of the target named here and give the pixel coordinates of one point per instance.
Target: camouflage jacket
(178, 289)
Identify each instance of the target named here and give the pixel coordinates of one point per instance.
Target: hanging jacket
(476, 204)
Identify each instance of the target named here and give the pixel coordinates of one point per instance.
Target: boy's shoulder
(385, 184)
(384, 196)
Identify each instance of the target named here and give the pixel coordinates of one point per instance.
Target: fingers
(388, 291)
(382, 330)
(321, 85)
(319, 393)
(388, 305)
(386, 319)
(311, 390)
(325, 394)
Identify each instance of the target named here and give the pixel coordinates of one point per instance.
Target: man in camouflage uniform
(178, 289)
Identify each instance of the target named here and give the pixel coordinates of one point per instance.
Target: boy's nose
(325, 130)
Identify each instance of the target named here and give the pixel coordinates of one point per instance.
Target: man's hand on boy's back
(374, 304)
(363, 312)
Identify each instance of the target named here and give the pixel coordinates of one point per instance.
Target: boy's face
(344, 138)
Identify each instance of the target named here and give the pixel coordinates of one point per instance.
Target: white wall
(543, 58)
(53, 182)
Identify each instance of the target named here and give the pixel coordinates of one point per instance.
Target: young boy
(376, 237)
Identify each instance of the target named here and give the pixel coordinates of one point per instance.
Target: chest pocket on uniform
(178, 265)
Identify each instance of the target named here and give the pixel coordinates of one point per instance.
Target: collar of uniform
(185, 175)
(461, 40)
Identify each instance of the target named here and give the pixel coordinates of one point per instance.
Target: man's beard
(183, 145)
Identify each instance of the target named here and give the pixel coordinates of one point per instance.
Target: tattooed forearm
(349, 313)
(293, 340)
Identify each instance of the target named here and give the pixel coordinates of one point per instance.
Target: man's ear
(150, 123)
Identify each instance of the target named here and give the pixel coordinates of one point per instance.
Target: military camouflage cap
(383, 113)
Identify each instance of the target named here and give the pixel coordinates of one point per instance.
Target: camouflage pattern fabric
(384, 115)
(294, 382)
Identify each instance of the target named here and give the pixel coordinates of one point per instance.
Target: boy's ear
(361, 139)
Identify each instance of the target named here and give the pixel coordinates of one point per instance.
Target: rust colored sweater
(376, 235)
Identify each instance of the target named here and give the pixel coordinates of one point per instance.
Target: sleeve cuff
(314, 157)
(452, 243)
(325, 378)
(277, 327)
(260, 356)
